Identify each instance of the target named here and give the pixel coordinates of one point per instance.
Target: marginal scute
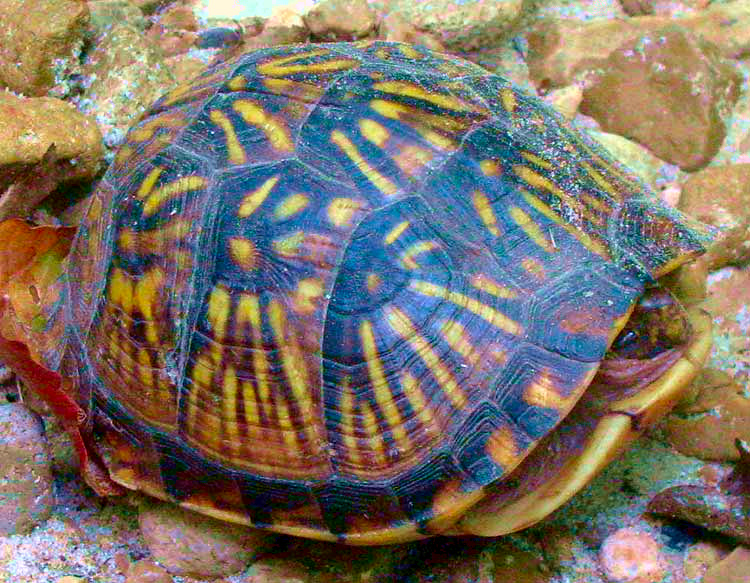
(343, 291)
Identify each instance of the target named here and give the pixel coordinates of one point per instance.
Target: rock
(125, 75)
(146, 571)
(43, 141)
(459, 25)
(720, 196)
(709, 508)
(699, 558)
(26, 496)
(340, 20)
(276, 571)
(631, 555)
(735, 568)
(707, 425)
(729, 303)
(41, 39)
(668, 90)
(563, 50)
(188, 543)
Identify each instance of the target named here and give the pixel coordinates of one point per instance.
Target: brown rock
(459, 25)
(735, 568)
(146, 571)
(175, 30)
(43, 141)
(127, 75)
(561, 50)
(187, 543)
(276, 571)
(699, 557)
(284, 26)
(519, 566)
(395, 27)
(631, 555)
(36, 34)
(333, 563)
(445, 560)
(669, 91)
(26, 497)
(720, 196)
(340, 19)
(707, 426)
(709, 508)
(729, 303)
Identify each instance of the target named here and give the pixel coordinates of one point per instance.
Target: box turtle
(357, 292)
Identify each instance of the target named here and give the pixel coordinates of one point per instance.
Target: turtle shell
(340, 290)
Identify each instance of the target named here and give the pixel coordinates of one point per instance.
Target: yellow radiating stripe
(292, 362)
(276, 131)
(234, 147)
(350, 150)
(148, 183)
(250, 404)
(458, 339)
(408, 256)
(395, 232)
(602, 182)
(237, 83)
(503, 448)
(280, 67)
(121, 291)
(415, 91)
(348, 428)
(490, 167)
(531, 228)
(587, 241)
(373, 282)
(161, 195)
(375, 442)
(422, 123)
(309, 291)
(306, 92)
(508, 99)
(408, 51)
(484, 210)
(533, 178)
(243, 253)
(248, 314)
(154, 241)
(404, 327)
(289, 245)
(482, 310)
(219, 309)
(490, 286)
(146, 131)
(542, 392)
(145, 372)
(202, 376)
(229, 411)
(252, 200)
(418, 403)
(538, 160)
(146, 295)
(412, 159)
(380, 387)
(341, 211)
(288, 434)
(533, 267)
(291, 205)
(374, 132)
